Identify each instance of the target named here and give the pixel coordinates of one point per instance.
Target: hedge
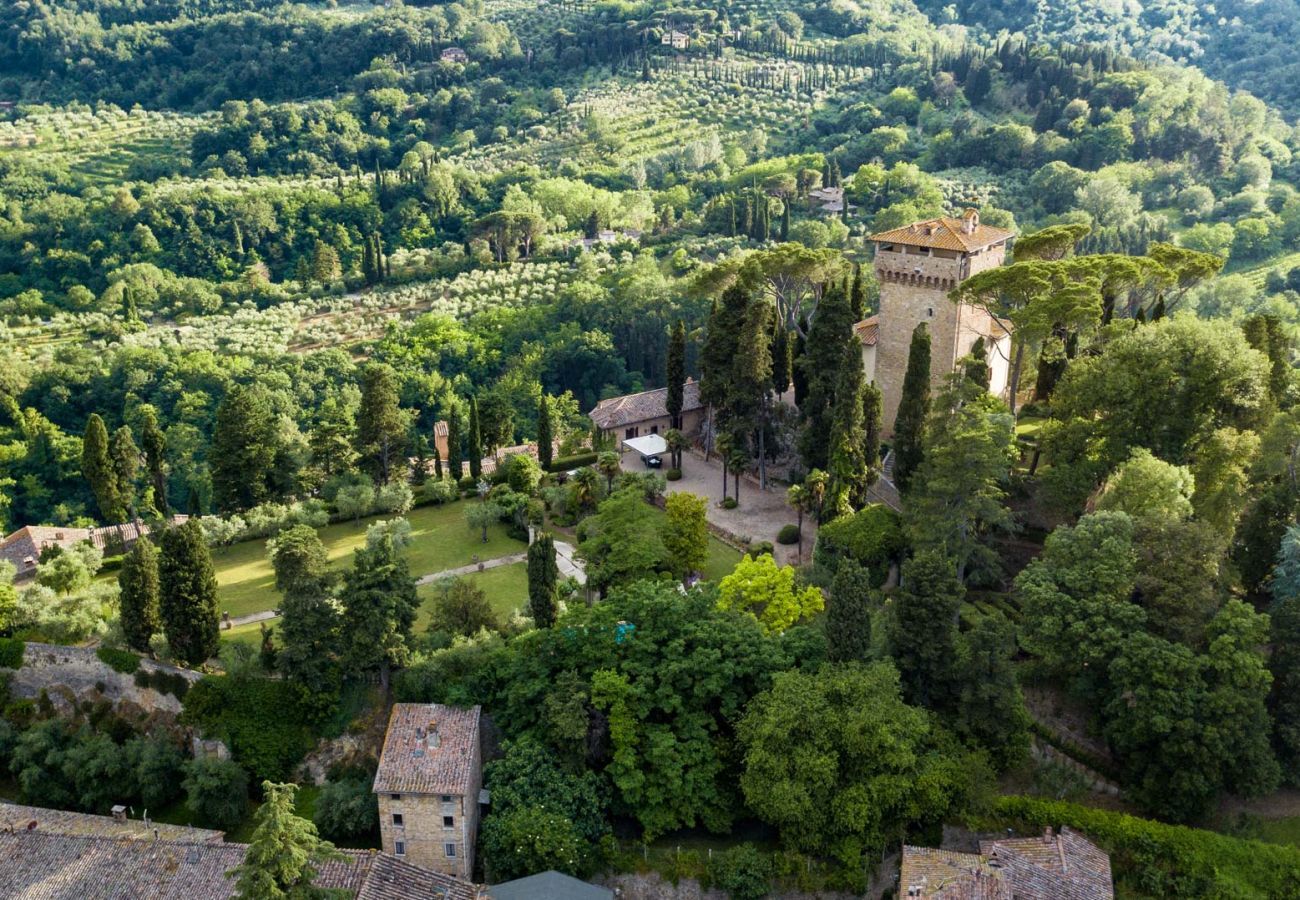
(118, 660)
(873, 536)
(576, 461)
(1158, 860)
(11, 653)
(172, 683)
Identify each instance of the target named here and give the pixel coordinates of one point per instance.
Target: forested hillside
(259, 260)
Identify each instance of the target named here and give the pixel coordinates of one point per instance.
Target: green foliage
(266, 723)
(138, 595)
(574, 461)
(842, 766)
(11, 653)
(789, 534)
(922, 630)
(872, 537)
(379, 602)
(284, 853)
(118, 660)
(686, 532)
(621, 543)
(347, 809)
(216, 791)
(913, 410)
(460, 608)
(542, 577)
(1148, 488)
(848, 618)
(743, 871)
(768, 592)
(188, 594)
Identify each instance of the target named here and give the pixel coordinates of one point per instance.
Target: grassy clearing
(506, 588)
(440, 540)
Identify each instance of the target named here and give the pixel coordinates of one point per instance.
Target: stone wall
(67, 673)
(423, 834)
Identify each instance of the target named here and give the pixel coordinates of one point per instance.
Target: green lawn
(440, 540)
(506, 588)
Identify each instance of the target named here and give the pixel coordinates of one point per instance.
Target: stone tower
(917, 265)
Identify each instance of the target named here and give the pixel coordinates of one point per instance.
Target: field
(440, 540)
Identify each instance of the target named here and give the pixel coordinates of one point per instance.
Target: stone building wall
(914, 288)
(77, 671)
(423, 833)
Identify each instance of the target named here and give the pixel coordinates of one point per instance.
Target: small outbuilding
(548, 886)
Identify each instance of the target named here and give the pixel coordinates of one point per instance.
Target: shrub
(673, 475)
(762, 548)
(576, 461)
(265, 723)
(522, 472)
(872, 537)
(216, 790)
(394, 498)
(11, 653)
(21, 712)
(439, 491)
(467, 484)
(121, 661)
(347, 809)
(744, 872)
(110, 564)
(789, 534)
(730, 503)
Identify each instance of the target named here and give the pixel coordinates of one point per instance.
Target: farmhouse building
(56, 855)
(678, 40)
(1065, 866)
(455, 55)
(917, 266)
(636, 415)
(428, 783)
(23, 547)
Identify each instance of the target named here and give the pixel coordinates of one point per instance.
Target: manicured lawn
(506, 588)
(440, 540)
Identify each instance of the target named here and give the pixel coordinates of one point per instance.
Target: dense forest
(258, 259)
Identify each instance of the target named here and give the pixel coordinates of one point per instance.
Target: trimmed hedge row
(121, 661)
(11, 653)
(1158, 860)
(163, 682)
(576, 461)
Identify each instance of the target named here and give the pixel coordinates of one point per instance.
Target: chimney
(1047, 835)
(434, 739)
(970, 220)
(119, 813)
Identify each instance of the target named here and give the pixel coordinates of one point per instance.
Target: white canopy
(647, 445)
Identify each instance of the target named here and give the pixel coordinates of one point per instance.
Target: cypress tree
(872, 427)
(858, 295)
(188, 594)
(126, 468)
(475, 440)
(848, 614)
(455, 462)
(977, 367)
(798, 377)
(913, 408)
(922, 630)
(243, 450)
(545, 435)
(781, 359)
(785, 220)
(830, 344)
(97, 467)
(379, 607)
(676, 368)
(381, 423)
(543, 574)
(155, 454)
(848, 466)
(138, 598)
(437, 461)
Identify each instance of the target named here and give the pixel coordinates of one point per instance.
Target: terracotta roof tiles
(429, 749)
(629, 409)
(966, 234)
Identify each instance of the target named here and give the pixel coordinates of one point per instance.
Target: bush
(121, 661)
(1152, 859)
(265, 723)
(576, 461)
(872, 537)
(522, 473)
(111, 564)
(216, 790)
(673, 475)
(11, 653)
(394, 498)
(347, 809)
(439, 491)
(163, 682)
(762, 548)
(467, 484)
(743, 871)
(21, 712)
(730, 503)
(789, 534)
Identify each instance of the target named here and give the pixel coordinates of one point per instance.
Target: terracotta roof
(868, 331)
(946, 233)
(1065, 866)
(429, 749)
(391, 878)
(23, 547)
(629, 409)
(14, 817)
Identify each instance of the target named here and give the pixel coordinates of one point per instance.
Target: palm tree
(677, 443)
(584, 487)
(738, 460)
(815, 483)
(609, 464)
(799, 497)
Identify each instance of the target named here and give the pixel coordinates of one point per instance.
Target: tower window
(400, 848)
(397, 820)
(929, 311)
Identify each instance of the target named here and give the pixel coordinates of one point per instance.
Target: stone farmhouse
(917, 266)
(455, 55)
(429, 780)
(1065, 866)
(23, 547)
(55, 855)
(678, 40)
(636, 415)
